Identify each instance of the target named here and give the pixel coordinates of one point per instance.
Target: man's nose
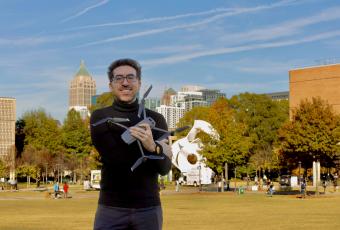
(125, 81)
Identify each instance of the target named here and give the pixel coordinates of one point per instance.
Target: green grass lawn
(185, 210)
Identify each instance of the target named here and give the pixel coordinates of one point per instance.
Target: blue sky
(234, 46)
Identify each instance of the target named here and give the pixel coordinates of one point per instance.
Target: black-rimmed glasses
(120, 78)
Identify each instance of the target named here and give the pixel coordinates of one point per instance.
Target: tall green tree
(76, 141)
(76, 135)
(42, 142)
(262, 117)
(42, 131)
(232, 146)
(312, 134)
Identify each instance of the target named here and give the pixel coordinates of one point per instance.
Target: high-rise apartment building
(211, 95)
(185, 100)
(82, 88)
(7, 132)
(171, 114)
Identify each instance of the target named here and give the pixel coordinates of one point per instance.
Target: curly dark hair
(125, 61)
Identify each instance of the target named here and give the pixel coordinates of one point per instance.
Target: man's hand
(143, 133)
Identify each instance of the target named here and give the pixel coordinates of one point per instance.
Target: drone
(129, 139)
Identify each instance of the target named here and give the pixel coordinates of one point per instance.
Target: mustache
(125, 87)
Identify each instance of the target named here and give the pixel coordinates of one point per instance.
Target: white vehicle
(95, 179)
(199, 176)
(193, 177)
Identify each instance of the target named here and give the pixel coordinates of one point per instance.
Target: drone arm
(120, 125)
(161, 130)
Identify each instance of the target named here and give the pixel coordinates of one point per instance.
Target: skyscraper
(7, 132)
(167, 95)
(82, 88)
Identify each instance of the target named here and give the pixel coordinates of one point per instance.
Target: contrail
(184, 26)
(220, 51)
(87, 9)
(168, 18)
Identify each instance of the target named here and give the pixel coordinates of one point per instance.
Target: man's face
(125, 90)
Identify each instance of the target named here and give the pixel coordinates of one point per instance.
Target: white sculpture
(186, 157)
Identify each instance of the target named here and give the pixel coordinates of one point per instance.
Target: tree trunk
(222, 182)
(74, 177)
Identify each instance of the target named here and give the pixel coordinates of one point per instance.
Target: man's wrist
(158, 148)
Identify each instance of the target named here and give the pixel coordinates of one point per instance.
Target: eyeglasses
(120, 78)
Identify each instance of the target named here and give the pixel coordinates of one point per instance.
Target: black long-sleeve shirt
(120, 187)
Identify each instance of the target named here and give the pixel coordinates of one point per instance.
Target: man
(56, 189)
(128, 199)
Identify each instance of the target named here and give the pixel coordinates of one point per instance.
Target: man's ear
(110, 86)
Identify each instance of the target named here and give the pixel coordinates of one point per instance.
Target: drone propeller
(111, 119)
(153, 157)
(143, 158)
(142, 102)
(138, 162)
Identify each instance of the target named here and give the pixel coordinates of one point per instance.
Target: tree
(42, 131)
(262, 117)
(104, 100)
(42, 142)
(4, 170)
(232, 147)
(31, 163)
(76, 141)
(312, 134)
(196, 113)
(19, 136)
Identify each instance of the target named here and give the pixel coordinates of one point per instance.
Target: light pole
(317, 177)
(199, 179)
(299, 173)
(235, 179)
(46, 173)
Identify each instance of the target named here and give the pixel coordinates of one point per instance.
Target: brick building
(316, 81)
